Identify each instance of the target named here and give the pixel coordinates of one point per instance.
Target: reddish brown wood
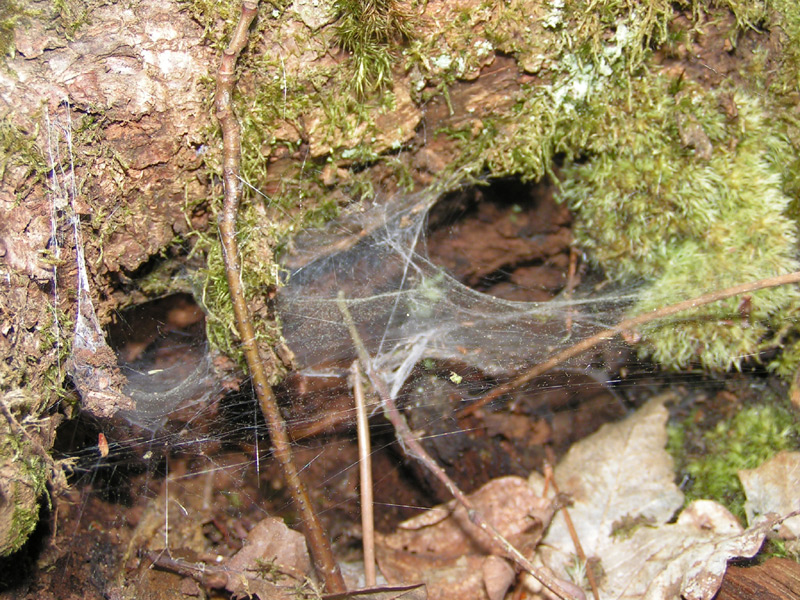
(776, 579)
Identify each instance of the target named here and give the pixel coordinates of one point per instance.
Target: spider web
(196, 460)
(407, 309)
(190, 441)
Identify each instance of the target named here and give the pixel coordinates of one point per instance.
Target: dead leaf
(686, 558)
(621, 479)
(620, 473)
(272, 564)
(444, 578)
(431, 517)
(497, 576)
(508, 503)
(453, 556)
(774, 487)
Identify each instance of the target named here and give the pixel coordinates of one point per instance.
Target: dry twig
(622, 327)
(570, 525)
(412, 447)
(318, 543)
(365, 471)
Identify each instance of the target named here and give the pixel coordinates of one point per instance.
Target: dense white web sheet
(407, 309)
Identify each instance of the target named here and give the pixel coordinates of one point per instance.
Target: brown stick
(627, 325)
(551, 460)
(413, 448)
(318, 543)
(365, 472)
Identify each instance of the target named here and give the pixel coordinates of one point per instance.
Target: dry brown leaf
(445, 578)
(774, 487)
(622, 481)
(686, 558)
(497, 575)
(508, 503)
(618, 477)
(272, 565)
(452, 555)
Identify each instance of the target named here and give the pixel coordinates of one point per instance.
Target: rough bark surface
(127, 85)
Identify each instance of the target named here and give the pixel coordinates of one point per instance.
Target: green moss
(777, 548)
(676, 192)
(369, 30)
(25, 476)
(785, 364)
(710, 459)
(783, 82)
(260, 275)
(10, 15)
(217, 17)
(19, 152)
(169, 277)
(661, 150)
(64, 16)
(689, 199)
(638, 26)
(321, 214)
(277, 102)
(586, 59)
(70, 15)
(749, 14)
(787, 23)
(56, 343)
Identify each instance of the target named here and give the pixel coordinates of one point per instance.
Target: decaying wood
(776, 579)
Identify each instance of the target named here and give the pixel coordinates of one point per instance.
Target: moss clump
(368, 30)
(585, 59)
(20, 154)
(788, 24)
(10, 14)
(688, 197)
(71, 15)
(23, 480)
(591, 96)
(219, 17)
(711, 459)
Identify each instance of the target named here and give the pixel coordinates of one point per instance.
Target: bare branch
(365, 471)
(413, 448)
(318, 543)
(623, 326)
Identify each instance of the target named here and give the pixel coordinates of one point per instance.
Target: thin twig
(365, 471)
(570, 525)
(623, 326)
(413, 448)
(318, 543)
